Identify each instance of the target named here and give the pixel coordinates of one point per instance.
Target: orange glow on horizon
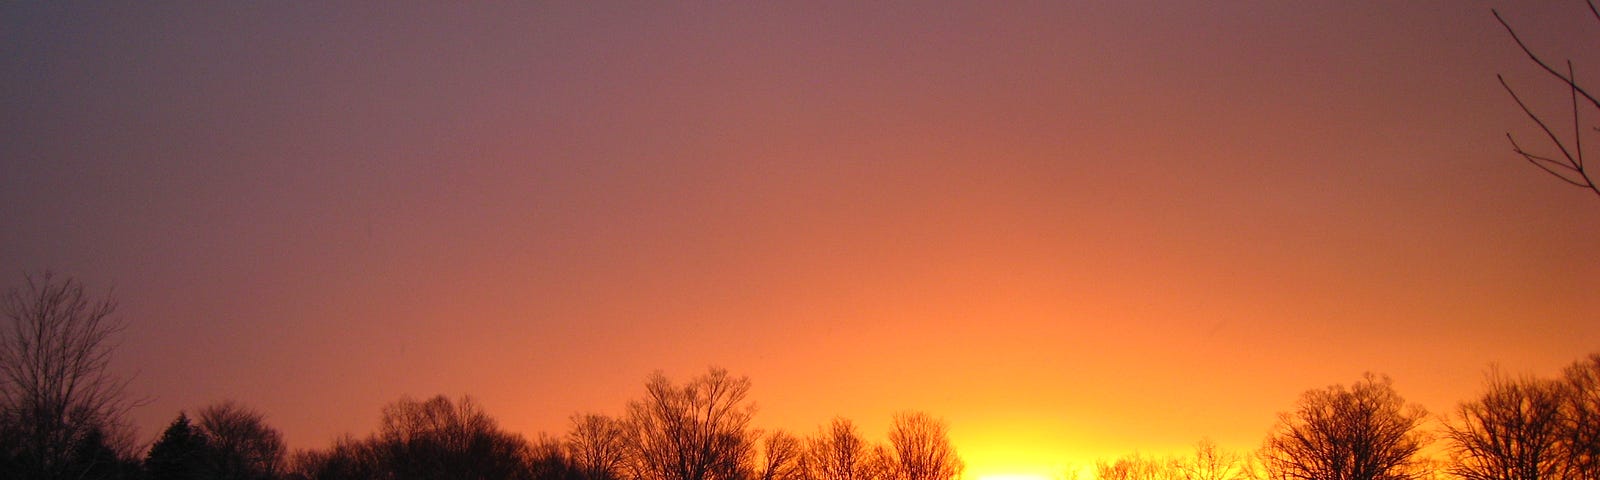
(1016, 476)
(1072, 230)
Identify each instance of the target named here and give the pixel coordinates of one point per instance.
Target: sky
(1073, 230)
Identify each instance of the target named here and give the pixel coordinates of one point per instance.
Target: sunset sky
(1072, 229)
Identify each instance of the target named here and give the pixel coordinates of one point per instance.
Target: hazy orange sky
(1072, 229)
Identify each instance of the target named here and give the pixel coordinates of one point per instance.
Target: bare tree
(1212, 463)
(597, 446)
(781, 454)
(54, 385)
(348, 459)
(837, 453)
(1208, 463)
(1580, 418)
(438, 438)
(1510, 433)
(1567, 162)
(921, 449)
(1365, 432)
(239, 443)
(548, 460)
(1138, 467)
(697, 431)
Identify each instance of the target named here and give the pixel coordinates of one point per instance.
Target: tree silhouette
(440, 439)
(837, 453)
(434, 439)
(596, 446)
(548, 460)
(699, 431)
(347, 459)
(1365, 432)
(1512, 432)
(93, 458)
(781, 453)
(1580, 418)
(1567, 162)
(239, 443)
(921, 449)
(178, 454)
(54, 387)
(1212, 463)
(1208, 463)
(1137, 467)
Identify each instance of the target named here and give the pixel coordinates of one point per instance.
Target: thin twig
(1541, 62)
(1546, 128)
(1577, 131)
(1573, 163)
(1544, 163)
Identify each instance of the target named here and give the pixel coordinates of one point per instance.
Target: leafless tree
(837, 453)
(348, 459)
(438, 438)
(781, 453)
(1510, 433)
(1580, 418)
(240, 444)
(697, 431)
(597, 446)
(1365, 432)
(1567, 161)
(548, 460)
(1208, 463)
(1138, 467)
(54, 385)
(1212, 463)
(921, 449)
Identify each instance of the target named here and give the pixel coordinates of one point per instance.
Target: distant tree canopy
(60, 418)
(1364, 432)
(838, 453)
(431, 439)
(1208, 463)
(597, 446)
(239, 445)
(781, 457)
(1510, 432)
(231, 442)
(697, 431)
(1530, 428)
(921, 449)
(1138, 467)
(1580, 418)
(179, 454)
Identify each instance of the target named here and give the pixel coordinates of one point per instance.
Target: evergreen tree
(93, 458)
(178, 455)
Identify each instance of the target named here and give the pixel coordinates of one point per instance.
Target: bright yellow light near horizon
(1015, 476)
(1020, 471)
(1015, 454)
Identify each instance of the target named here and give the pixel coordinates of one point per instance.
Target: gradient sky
(1072, 229)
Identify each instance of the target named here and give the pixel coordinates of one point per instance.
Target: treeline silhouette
(62, 417)
(1520, 428)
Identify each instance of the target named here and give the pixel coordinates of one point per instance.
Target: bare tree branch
(1365, 432)
(1571, 161)
(1547, 68)
(699, 431)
